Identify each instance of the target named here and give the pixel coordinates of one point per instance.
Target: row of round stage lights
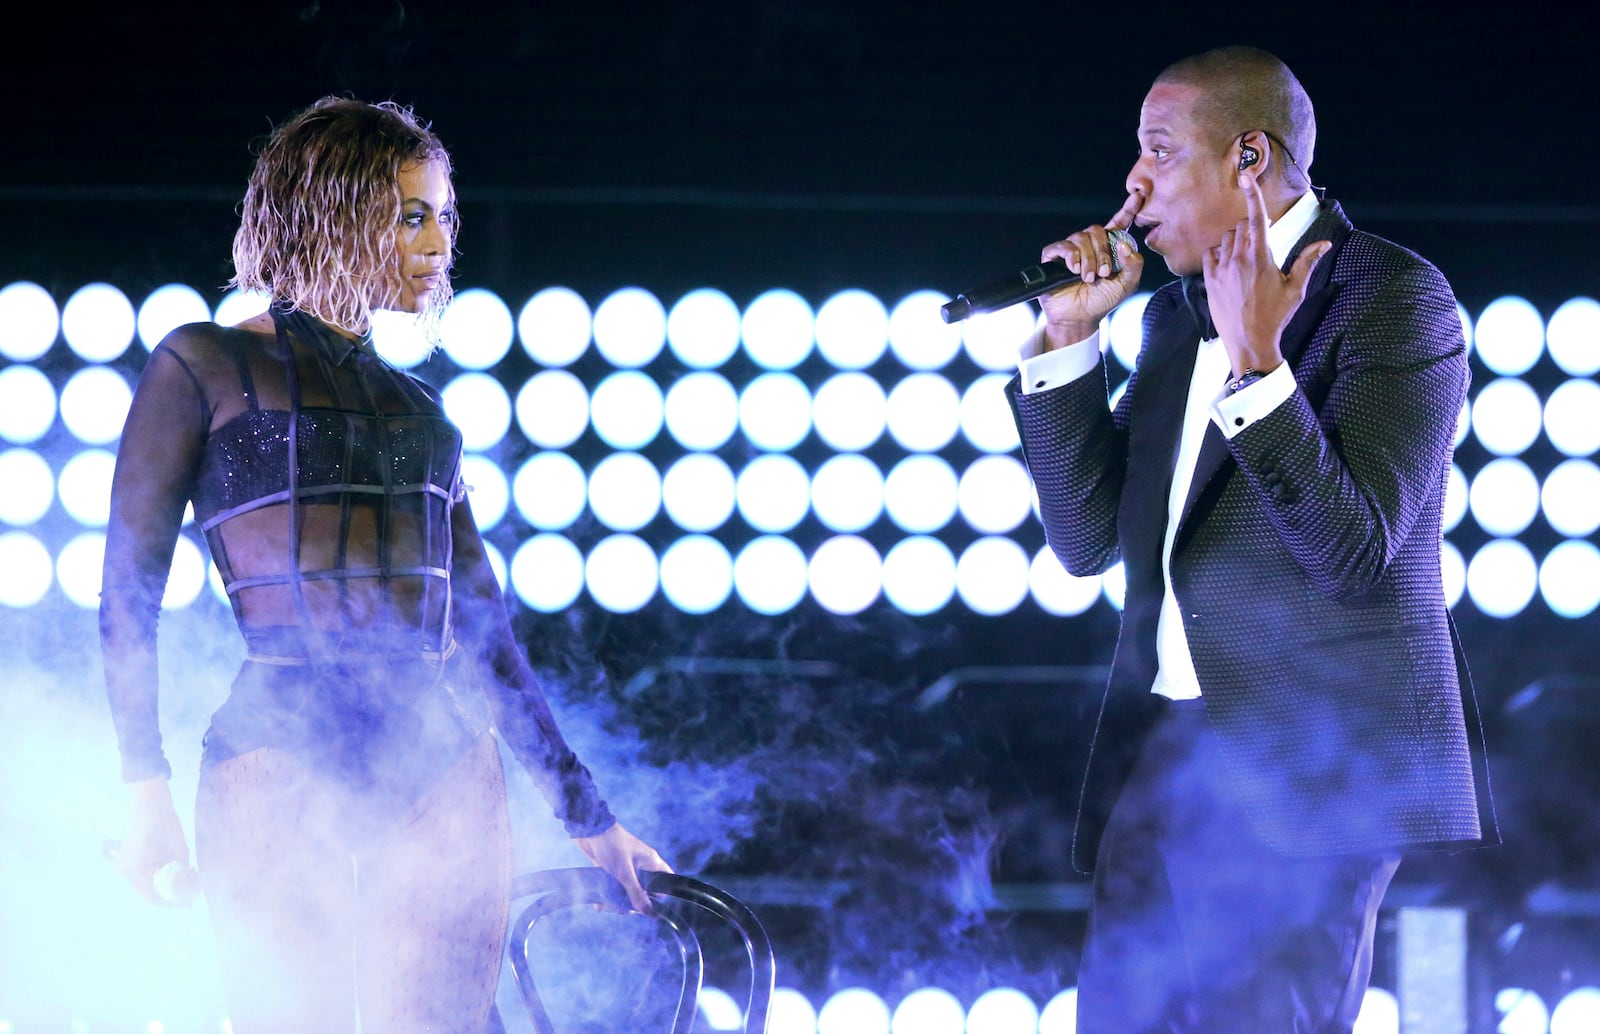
(848, 493)
(1005, 1010)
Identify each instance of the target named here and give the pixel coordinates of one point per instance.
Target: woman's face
(426, 235)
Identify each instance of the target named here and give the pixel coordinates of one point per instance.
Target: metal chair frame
(556, 889)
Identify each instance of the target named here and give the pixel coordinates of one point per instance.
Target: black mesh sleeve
(156, 459)
(521, 712)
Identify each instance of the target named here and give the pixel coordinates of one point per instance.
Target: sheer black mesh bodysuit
(352, 572)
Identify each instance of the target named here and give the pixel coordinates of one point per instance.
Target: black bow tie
(1194, 294)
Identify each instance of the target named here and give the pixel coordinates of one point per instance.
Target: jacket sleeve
(1343, 485)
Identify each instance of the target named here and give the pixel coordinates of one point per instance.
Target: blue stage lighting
(777, 329)
(550, 491)
(167, 308)
(702, 410)
(621, 573)
(625, 491)
(476, 329)
(698, 492)
(553, 409)
(919, 575)
(703, 329)
(32, 321)
(98, 322)
(555, 326)
(478, 405)
(852, 329)
(627, 410)
(630, 327)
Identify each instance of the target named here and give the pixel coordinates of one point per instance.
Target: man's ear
(1255, 153)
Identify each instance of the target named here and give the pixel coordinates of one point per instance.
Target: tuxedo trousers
(1196, 926)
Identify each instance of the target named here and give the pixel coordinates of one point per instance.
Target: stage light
(777, 329)
(1380, 1013)
(697, 574)
(28, 569)
(854, 1010)
(626, 410)
(487, 491)
(923, 412)
(1502, 578)
(1568, 498)
(775, 411)
(993, 339)
(1003, 1010)
(1507, 416)
(791, 1013)
(475, 329)
(31, 321)
(1453, 573)
(1057, 591)
(1521, 1012)
(718, 1009)
(236, 306)
(547, 572)
(929, 1010)
(98, 322)
(186, 576)
(399, 339)
(552, 409)
(550, 491)
(918, 336)
(1574, 329)
(1510, 336)
(1570, 417)
(1578, 1012)
(30, 487)
(84, 487)
(630, 327)
(78, 568)
(773, 493)
(167, 308)
(849, 411)
(769, 574)
(698, 492)
(27, 404)
(986, 416)
(847, 492)
(702, 410)
(1569, 579)
(555, 326)
(625, 491)
(992, 575)
(94, 404)
(995, 495)
(621, 573)
(1125, 326)
(478, 405)
(845, 574)
(1114, 584)
(919, 575)
(1455, 498)
(852, 330)
(920, 493)
(703, 329)
(1504, 497)
(1060, 1014)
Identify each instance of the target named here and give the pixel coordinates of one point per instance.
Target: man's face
(1188, 178)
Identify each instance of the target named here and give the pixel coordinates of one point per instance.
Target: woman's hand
(624, 856)
(155, 838)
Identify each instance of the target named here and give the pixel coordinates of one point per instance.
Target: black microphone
(1024, 286)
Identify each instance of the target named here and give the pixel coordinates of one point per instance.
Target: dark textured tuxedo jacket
(1306, 562)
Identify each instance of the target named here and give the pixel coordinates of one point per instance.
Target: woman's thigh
(434, 905)
(280, 889)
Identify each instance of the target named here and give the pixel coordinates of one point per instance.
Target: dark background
(834, 144)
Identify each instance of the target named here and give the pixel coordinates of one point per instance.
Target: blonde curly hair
(320, 218)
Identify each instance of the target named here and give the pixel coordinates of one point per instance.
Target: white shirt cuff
(1042, 370)
(1234, 412)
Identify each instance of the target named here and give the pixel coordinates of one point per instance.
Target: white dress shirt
(1208, 402)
